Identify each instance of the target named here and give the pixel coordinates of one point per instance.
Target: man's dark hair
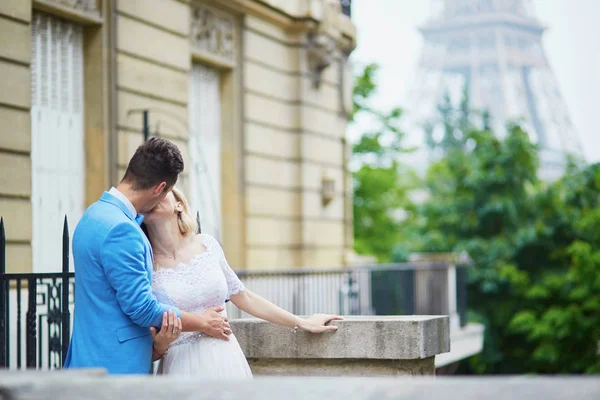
(157, 160)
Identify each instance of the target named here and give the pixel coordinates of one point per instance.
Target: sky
(387, 35)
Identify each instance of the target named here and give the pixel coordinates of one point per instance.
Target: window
(205, 148)
(57, 136)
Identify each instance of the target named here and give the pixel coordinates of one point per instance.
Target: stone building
(255, 93)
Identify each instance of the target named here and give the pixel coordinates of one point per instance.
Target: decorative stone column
(362, 346)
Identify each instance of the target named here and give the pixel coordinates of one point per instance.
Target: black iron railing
(40, 304)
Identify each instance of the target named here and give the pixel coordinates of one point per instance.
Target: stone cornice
(326, 30)
(85, 12)
(311, 16)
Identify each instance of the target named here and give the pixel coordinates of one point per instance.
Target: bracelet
(296, 327)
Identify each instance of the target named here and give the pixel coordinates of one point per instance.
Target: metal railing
(425, 288)
(40, 336)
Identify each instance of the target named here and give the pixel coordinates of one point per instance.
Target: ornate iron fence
(41, 335)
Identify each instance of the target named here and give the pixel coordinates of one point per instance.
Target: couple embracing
(148, 288)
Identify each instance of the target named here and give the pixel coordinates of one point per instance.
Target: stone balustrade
(362, 346)
(71, 385)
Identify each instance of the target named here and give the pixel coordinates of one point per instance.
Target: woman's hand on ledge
(317, 323)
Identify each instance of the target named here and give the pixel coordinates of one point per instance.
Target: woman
(191, 273)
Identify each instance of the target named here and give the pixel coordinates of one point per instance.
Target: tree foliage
(380, 181)
(557, 279)
(536, 279)
(535, 283)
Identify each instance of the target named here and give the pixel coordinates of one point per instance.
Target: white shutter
(205, 148)
(57, 147)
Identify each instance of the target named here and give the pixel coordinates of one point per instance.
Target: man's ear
(157, 190)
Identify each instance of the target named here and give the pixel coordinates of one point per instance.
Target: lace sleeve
(234, 284)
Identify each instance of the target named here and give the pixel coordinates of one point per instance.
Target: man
(114, 304)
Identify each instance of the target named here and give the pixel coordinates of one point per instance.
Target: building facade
(255, 93)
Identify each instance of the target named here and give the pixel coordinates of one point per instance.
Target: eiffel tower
(493, 48)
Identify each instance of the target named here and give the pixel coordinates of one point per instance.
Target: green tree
(536, 280)
(558, 279)
(535, 246)
(380, 181)
(454, 123)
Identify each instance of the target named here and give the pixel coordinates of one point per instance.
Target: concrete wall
(283, 124)
(294, 138)
(290, 134)
(153, 64)
(15, 137)
(75, 385)
(361, 346)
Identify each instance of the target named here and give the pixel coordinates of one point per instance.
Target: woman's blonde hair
(185, 219)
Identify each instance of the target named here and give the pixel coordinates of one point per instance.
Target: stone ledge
(370, 338)
(71, 386)
(341, 367)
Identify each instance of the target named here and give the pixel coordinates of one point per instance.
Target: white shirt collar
(115, 192)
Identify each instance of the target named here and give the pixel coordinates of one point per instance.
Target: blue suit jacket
(114, 304)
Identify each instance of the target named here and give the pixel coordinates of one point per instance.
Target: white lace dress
(207, 281)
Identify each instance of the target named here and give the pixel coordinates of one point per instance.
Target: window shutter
(57, 148)
(205, 148)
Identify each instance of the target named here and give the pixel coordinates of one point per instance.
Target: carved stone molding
(327, 40)
(85, 12)
(213, 34)
(321, 54)
(85, 5)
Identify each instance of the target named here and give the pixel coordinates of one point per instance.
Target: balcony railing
(33, 307)
(423, 288)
